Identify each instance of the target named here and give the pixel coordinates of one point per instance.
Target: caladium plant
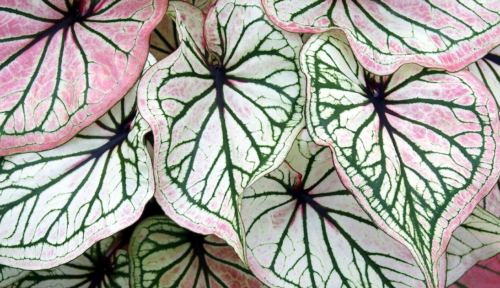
(485, 274)
(219, 125)
(417, 148)
(55, 204)
(102, 265)
(305, 229)
(165, 255)
(76, 60)
(386, 34)
(391, 183)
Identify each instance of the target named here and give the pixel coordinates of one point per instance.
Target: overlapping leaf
(416, 148)
(491, 202)
(165, 39)
(475, 240)
(56, 203)
(221, 117)
(64, 64)
(162, 254)
(485, 274)
(487, 70)
(304, 229)
(99, 266)
(386, 34)
(9, 275)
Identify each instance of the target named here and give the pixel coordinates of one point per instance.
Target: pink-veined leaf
(221, 124)
(64, 64)
(164, 38)
(386, 34)
(55, 204)
(416, 148)
(486, 274)
(305, 229)
(100, 266)
(162, 254)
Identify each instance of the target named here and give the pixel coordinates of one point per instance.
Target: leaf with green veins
(487, 69)
(94, 268)
(304, 229)
(9, 275)
(477, 239)
(164, 38)
(162, 254)
(387, 34)
(416, 148)
(486, 274)
(221, 116)
(57, 203)
(63, 64)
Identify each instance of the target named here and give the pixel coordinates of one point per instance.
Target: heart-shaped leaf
(486, 274)
(416, 148)
(55, 204)
(221, 117)
(99, 266)
(386, 34)
(162, 254)
(64, 64)
(304, 229)
(165, 39)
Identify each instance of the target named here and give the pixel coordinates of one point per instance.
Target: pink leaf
(386, 34)
(63, 65)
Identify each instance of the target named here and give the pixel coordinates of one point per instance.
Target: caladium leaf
(386, 34)
(162, 254)
(416, 148)
(485, 274)
(55, 204)
(99, 266)
(221, 117)
(304, 229)
(9, 275)
(475, 240)
(491, 202)
(165, 38)
(64, 64)
(487, 70)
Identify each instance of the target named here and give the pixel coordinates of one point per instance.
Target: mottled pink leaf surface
(165, 38)
(64, 64)
(384, 35)
(486, 274)
(223, 110)
(55, 204)
(162, 254)
(491, 202)
(418, 148)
